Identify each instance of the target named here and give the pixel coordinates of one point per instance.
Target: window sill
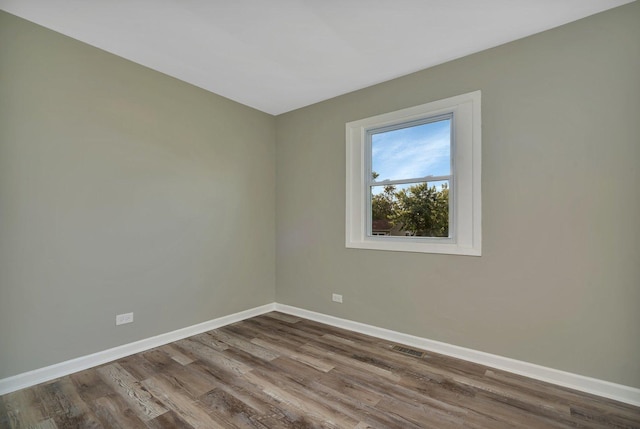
(417, 245)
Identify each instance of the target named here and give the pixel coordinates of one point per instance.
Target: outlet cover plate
(121, 319)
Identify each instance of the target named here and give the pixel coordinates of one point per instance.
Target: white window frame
(465, 205)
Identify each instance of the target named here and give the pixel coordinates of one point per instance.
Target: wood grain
(281, 371)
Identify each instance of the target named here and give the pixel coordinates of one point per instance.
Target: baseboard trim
(618, 392)
(41, 375)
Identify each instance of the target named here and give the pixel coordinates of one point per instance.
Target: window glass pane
(412, 152)
(410, 210)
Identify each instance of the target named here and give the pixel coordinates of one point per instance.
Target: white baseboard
(618, 392)
(52, 372)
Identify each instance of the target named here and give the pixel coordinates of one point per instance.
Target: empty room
(319, 214)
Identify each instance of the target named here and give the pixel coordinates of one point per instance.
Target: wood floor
(278, 371)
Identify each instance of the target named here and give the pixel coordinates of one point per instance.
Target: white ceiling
(279, 55)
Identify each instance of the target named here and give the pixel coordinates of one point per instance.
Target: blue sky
(412, 152)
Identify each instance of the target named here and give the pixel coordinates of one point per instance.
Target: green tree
(423, 210)
(384, 204)
(418, 210)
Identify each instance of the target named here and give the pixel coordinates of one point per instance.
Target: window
(413, 179)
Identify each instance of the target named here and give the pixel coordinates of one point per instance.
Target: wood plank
(210, 341)
(46, 424)
(232, 409)
(195, 383)
(168, 420)
(19, 409)
(287, 394)
(176, 355)
(358, 404)
(239, 343)
(141, 368)
(254, 328)
(65, 406)
(487, 412)
(182, 405)
(338, 359)
(213, 356)
(419, 414)
(314, 363)
(89, 385)
(114, 412)
(283, 317)
(268, 409)
(123, 383)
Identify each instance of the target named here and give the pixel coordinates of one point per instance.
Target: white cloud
(412, 152)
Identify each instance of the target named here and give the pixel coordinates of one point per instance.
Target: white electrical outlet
(336, 298)
(121, 319)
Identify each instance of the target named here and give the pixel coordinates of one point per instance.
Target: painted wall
(559, 280)
(122, 189)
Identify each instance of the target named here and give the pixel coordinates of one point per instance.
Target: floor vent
(406, 351)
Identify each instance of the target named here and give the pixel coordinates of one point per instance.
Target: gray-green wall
(122, 189)
(558, 283)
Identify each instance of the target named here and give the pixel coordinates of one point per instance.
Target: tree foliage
(419, 210)
(423, 210)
